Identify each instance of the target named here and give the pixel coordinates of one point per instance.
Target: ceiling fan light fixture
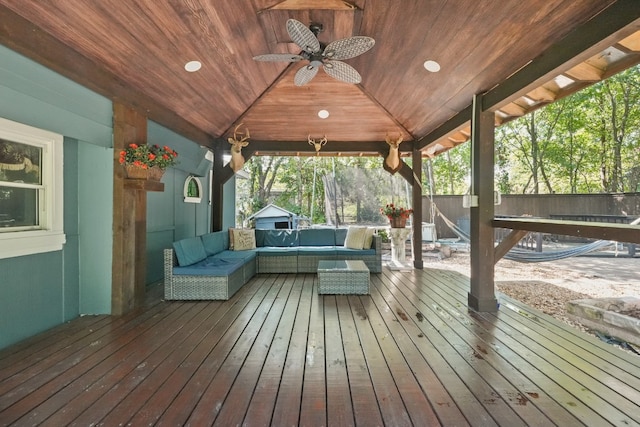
(323, 114)
(431, 66)
(193, 66)
(328, 57)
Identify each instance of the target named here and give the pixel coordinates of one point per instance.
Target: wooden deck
(279, 354)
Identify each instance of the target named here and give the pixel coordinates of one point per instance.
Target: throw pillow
(244, 239)
(355, 237)
(368, 238)
(231, 230)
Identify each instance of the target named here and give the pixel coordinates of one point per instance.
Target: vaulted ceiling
(135, 52)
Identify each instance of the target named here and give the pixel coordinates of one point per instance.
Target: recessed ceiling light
(323, 114)
(431, 66)
(192, 66)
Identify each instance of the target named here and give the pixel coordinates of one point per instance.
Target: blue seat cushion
(215, 242)
(316, 250)
(210, 266)
(189, 251)
(277, 251)
(281, 238)
(341, 250)
(237, 255)
(260, 235)
(317, 237)
(341, 235)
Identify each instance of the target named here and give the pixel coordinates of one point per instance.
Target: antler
(317, 145)
(245, 136)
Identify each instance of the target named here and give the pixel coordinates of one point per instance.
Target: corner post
(416, 196)
(482, 294)
(217, 190)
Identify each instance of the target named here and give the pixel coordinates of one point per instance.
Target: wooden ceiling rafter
(582, 75)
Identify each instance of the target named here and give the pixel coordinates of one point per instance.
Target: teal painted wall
(169, 218)
(40, 291)
(95, 213)
(31, 295)
(71, 268)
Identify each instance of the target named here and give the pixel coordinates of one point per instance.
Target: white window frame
(50, 235)
(191, 199)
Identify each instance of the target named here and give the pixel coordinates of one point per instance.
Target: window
(31, 204)
(192, 190)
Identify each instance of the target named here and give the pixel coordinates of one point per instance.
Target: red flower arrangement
(146, 156)
(391, 211)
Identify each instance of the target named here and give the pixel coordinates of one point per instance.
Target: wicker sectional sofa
(206, 267)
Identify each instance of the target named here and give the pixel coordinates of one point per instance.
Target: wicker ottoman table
(343, 277)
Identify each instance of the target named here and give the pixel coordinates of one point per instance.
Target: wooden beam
(416, 197)
(129, 266)
(594, 35)
(454, 123)
(350, 147)
(594, 230)
(507, 243)
(217, 186)
(31, 41)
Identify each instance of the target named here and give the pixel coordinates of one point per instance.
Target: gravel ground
(548, 286)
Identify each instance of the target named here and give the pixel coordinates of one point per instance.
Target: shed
(274, 217)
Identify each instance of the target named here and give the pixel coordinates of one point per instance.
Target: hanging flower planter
(156, 173)
(143, 161)
(136, 172)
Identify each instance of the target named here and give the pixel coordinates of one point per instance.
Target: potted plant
(163, 158)
(139, 160)
(397, 216)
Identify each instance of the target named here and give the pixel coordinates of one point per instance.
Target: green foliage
(588, 142)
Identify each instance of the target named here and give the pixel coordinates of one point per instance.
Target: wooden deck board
(277, 353)
(595, 396)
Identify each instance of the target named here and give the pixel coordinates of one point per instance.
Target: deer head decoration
(317, 144)
(239, 140)
(393, 158)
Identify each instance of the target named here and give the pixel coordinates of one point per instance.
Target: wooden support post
(417, 209)
(129, 216)
(482, 294)
(217, 190)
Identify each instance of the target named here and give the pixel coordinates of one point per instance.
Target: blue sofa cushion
(278, 251)
(281, 238)
(341, 250)
(189, 251)
(260, 234)
(215, 242)
(210, 267)
(317, 237)
(316, 250)
(237, 255)
(341, 235)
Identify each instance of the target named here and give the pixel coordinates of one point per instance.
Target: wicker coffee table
(343, 277)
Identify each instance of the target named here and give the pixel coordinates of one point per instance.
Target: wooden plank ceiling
(135, 52)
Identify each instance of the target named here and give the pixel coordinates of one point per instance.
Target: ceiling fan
(328, 57)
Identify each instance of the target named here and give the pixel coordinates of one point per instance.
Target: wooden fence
(619, 207)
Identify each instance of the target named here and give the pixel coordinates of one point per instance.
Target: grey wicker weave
(277, 264)
(188, 287)
(343, 277)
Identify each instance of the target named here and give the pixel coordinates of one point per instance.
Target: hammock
(522, 255)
